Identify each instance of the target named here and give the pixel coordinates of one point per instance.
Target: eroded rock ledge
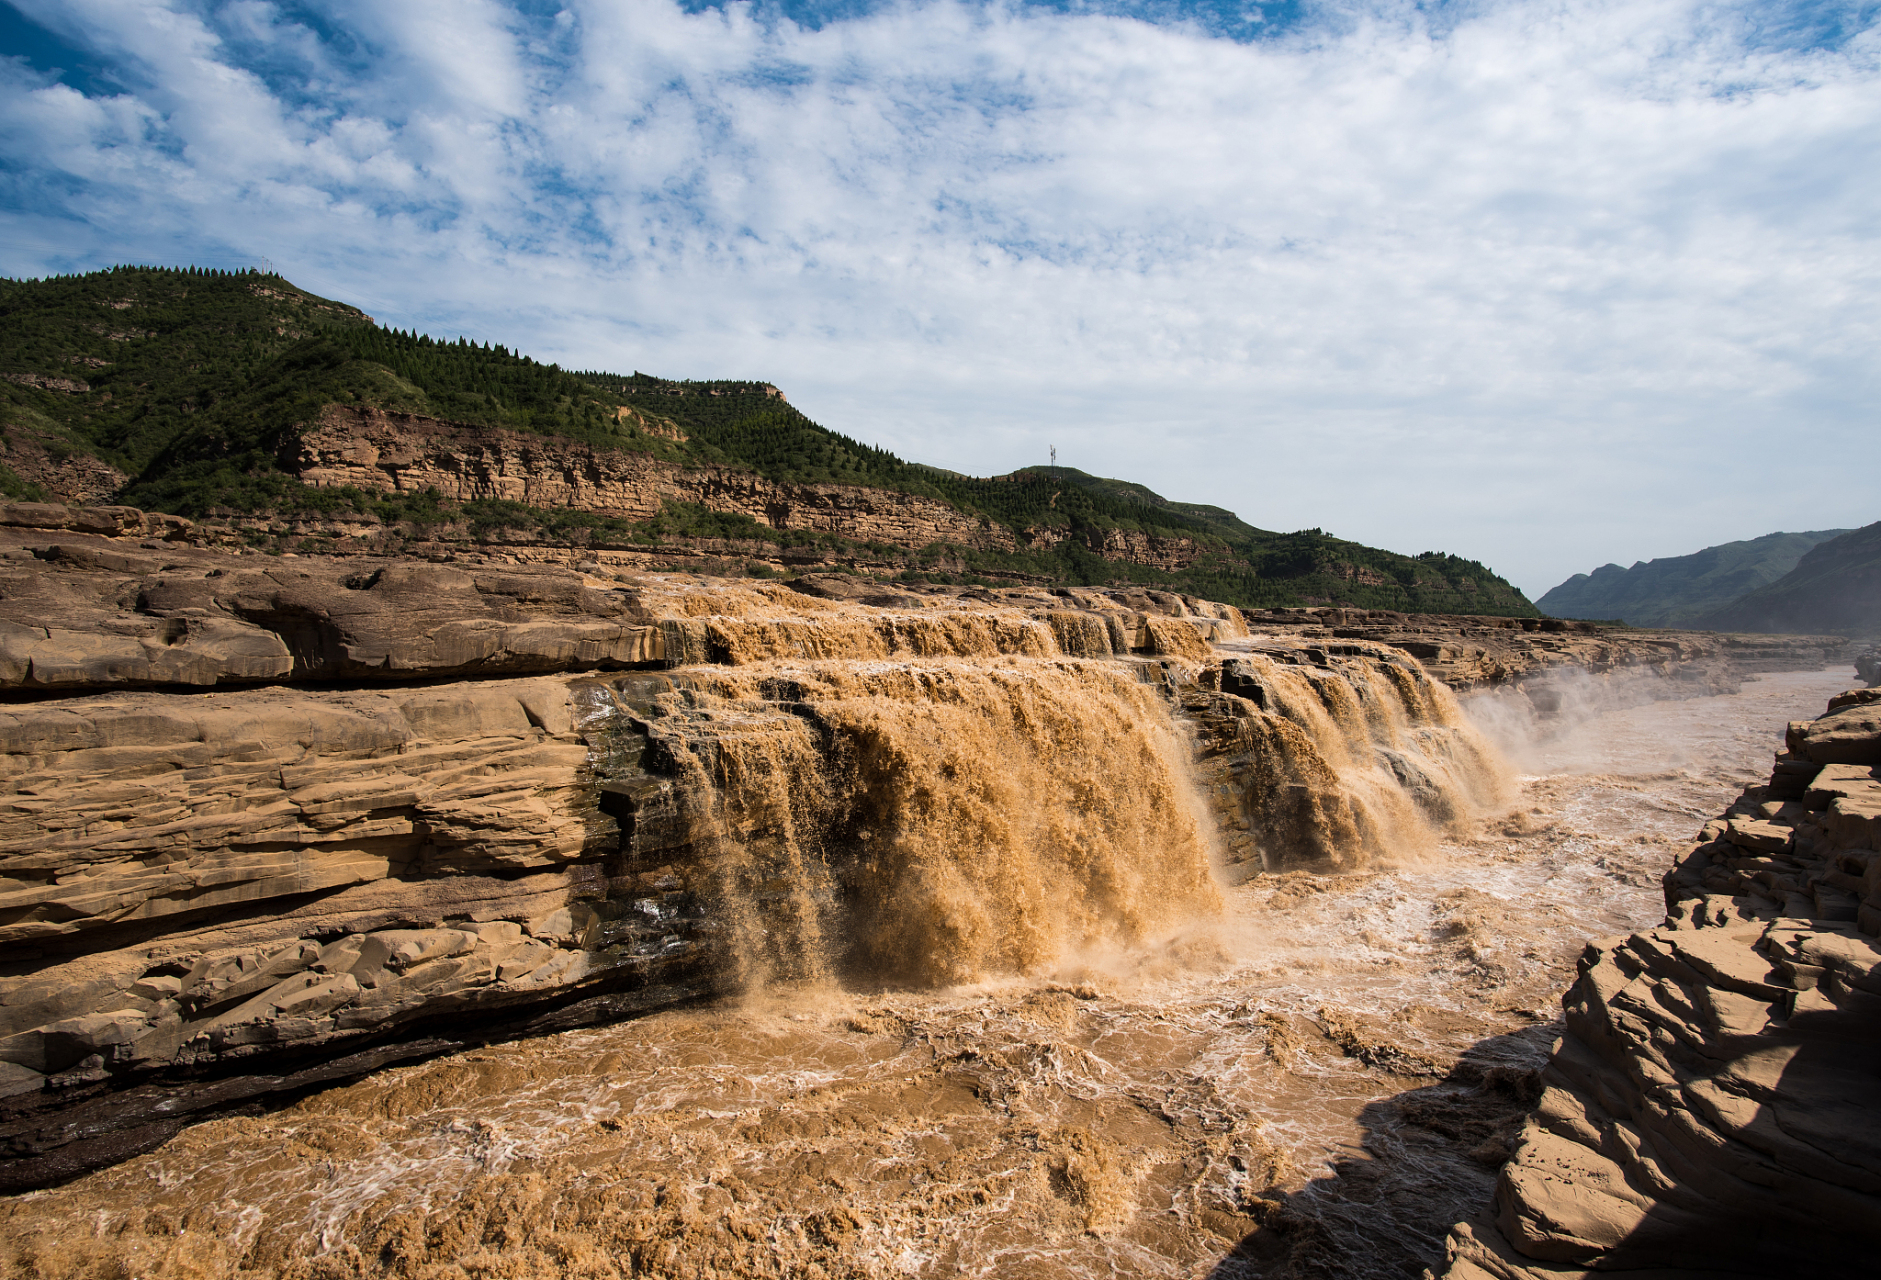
(1524, 653)
(114, 598)
(272, 821)
(1711, 1108)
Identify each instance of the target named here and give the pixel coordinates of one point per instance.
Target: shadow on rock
(1430, 1156)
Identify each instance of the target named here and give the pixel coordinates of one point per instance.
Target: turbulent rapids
(1070, 935)
(971, 799)
(934, 824)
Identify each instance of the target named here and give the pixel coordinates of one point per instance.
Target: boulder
(1851, 734)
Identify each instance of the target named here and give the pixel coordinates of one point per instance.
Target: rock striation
(90, 599)
(272, 826)
(380, 451)
(1470, 653)
(190, 883)
(1710, 1107)
(267, 821)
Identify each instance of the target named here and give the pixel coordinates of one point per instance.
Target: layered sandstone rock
(264, 817)
(246, 884)
(384, 452)
(211, 896)
(1478, 653)
(1711, 1107)
(91, 600)
(112, 597)
(89, 604)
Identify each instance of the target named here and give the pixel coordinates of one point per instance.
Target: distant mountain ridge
(1676, 591)
(1835, 587)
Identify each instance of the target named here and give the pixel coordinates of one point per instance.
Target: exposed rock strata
(219, 892)
(216, 880)
(386, 452)
(86, 603)
(111, 597)
(1477, 653)
(1711, 1107)
(63, 475)
(190, 882)
(80, 611)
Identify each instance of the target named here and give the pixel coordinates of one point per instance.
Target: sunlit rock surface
(1711, 1108)
(273, 821)
(1316, 1082)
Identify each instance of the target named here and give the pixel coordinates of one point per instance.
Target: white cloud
(1559, 284)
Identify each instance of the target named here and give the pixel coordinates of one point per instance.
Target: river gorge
(498, 919)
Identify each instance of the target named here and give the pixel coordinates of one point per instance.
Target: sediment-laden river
(1318, 1082)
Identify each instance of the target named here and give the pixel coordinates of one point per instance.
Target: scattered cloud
(1546, 283)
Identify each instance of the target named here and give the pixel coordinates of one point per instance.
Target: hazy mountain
(1836, 586)
(1675, 590)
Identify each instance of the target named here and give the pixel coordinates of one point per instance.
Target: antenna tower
(1054, 457)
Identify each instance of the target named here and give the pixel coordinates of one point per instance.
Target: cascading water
(960, 820)
(933, 797)
(955, 858)
(1361, 762)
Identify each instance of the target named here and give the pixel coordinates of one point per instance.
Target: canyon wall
(269, 821)
(1710, 1108)
(378, 451)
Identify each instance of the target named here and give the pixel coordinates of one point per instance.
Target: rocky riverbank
(269, 821)
(1710, 1108)
(1469, 653)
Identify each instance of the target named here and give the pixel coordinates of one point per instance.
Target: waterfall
(943, 795)
(935, 822)
(1339, 761)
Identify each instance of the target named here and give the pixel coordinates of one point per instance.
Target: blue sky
(1546, 284)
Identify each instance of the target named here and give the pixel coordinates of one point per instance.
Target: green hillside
(1220, 518)
(1835, 587)
(1675, 590)
(196, 386)
(158, 349)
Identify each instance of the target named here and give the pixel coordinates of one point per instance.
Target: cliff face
(402, 453)
(1710, 1108)
(386, 452)
(1129, 546)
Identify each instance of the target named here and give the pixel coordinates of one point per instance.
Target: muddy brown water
(1318, 1082)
